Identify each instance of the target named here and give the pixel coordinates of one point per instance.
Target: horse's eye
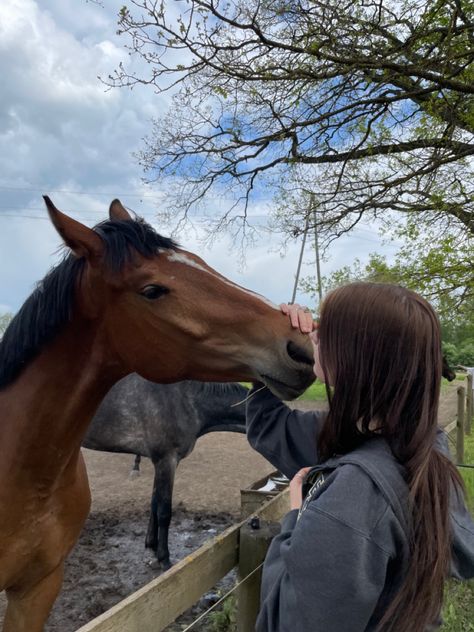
(153, 292)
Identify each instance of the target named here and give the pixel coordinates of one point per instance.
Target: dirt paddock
(110, 560)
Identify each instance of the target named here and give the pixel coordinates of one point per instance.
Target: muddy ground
(110, 561)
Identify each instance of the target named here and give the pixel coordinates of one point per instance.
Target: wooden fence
(464, 417)
(159, 603)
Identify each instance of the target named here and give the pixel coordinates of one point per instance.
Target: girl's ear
(118, 211)
(83, 241)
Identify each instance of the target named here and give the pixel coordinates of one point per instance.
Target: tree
(4, 322)
(368, 104)
(453, 301)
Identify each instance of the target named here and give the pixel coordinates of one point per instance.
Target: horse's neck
(222, 408)
(45, 412)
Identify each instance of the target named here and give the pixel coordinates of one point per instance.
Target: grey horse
(163, 422)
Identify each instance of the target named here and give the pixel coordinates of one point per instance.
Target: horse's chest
(36, 536)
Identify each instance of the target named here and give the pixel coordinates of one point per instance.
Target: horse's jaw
(284, 390)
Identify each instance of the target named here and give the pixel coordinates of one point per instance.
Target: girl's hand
(300, 317)
(296, 488)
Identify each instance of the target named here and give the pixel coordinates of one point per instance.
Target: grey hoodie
(338, 563)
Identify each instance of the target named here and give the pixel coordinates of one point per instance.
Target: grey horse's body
(163, 422)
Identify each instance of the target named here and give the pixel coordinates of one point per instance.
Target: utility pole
(297, 277)
(316, 248)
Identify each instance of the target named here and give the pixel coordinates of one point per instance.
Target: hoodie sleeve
(320, 574)
(286, 437)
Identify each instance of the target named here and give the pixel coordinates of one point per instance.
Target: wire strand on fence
(451, 439)
(222, 599)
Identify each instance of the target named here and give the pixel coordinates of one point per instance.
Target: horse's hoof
(154, 564)
(165, 565)
(134, 474)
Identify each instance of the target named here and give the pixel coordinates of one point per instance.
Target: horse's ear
(83, 241)
(118, 211)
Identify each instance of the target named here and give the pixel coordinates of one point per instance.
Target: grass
(224, 618)
(458, 611)
(315, 393)
(444, 385)
(317, 390)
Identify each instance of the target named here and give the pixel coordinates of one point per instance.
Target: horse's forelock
(124, 238)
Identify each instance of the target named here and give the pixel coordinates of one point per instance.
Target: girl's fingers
(301, 474)
(294, 317)
(298, 478)
(296, 484)
(300, 317)
(292, 312)
(305, 320)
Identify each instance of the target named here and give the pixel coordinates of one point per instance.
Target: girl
(377, 518)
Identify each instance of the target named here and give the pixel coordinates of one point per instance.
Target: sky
(65, 134)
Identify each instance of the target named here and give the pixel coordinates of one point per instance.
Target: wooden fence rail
(159, 603)
(464, 417)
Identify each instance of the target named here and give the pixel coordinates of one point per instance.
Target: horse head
(164, 313)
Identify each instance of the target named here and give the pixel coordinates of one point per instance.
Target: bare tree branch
(368, 104)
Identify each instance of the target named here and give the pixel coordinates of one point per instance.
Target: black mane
(51, 304)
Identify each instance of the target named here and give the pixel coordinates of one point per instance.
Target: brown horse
(125, 299)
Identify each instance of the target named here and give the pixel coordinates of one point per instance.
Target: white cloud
(63, 133)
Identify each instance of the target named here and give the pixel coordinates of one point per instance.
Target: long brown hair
(380, 347)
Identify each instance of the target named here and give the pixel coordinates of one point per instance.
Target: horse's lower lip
(290, 391)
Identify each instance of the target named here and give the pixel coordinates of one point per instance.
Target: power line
(48, 189)
(16, 215)
(46, 217)
(116, 194)
(150, 216)
(140, 196)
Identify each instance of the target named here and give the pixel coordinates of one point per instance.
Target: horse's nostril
(298, 354)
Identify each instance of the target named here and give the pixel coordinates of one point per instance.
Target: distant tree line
(4, 322)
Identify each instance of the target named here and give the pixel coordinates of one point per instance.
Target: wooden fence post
(255, 538)
(460, 425)
(469, 403)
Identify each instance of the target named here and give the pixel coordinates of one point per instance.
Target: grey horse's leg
(161, 509)
(135, 471)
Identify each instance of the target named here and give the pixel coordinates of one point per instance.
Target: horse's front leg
(161, 509)
(27, 610)
(30, 602)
